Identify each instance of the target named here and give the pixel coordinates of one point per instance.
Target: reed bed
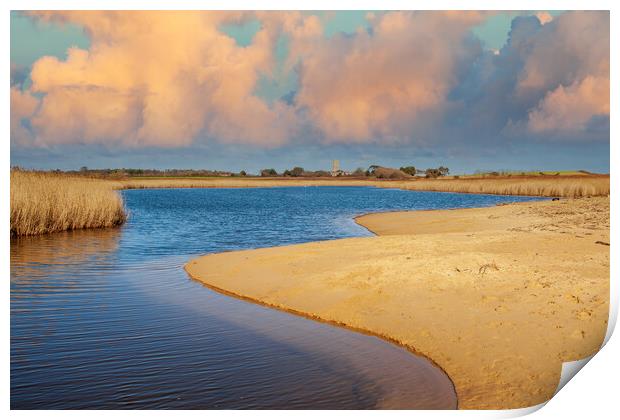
(45, 202)
(551, 186)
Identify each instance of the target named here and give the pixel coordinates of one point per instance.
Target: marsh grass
(45, 202)
(558, 186)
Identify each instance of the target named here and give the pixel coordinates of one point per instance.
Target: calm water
(109, 318)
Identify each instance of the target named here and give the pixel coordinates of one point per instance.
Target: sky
(473, 91)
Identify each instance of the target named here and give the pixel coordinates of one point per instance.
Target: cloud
(549, 82)
(571, 47)
(19, 74)
(23, 107)
(544, 17)
(570, 109)
(380, 84)
(569, 65)
(157, 78)
(173, 79)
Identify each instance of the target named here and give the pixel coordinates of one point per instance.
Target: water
(109, 319)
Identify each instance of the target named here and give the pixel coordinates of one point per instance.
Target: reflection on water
(109, 319)
(33, 256)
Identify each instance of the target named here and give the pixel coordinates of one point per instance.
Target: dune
(497, 297)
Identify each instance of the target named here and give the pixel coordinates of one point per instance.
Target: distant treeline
(131, 172)
(373, 171)
(298, 171)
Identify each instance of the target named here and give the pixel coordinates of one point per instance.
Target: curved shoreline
(328, 321)
(332, 322)
(315, 281)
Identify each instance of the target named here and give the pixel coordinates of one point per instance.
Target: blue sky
(469, 131)
(32, 39)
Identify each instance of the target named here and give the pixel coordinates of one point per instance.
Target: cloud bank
(174, 79)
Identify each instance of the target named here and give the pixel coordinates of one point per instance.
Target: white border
(592, 394)
(311, 5)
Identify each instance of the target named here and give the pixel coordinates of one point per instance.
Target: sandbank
(497, 297)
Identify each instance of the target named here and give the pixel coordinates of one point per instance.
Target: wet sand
(497, 297)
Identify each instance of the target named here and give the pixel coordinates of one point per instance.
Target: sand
(497, 297)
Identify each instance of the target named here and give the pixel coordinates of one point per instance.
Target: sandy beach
(497, 297)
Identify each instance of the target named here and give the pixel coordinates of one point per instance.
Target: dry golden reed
(45, 202)
(543, 186)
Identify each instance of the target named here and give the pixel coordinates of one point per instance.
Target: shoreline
(284, 278)
(334, 323)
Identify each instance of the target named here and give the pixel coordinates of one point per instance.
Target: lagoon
(109, 319)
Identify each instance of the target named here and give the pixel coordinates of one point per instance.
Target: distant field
(524, 173)
(572, 184)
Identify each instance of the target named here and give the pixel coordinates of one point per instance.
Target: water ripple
(109, 319)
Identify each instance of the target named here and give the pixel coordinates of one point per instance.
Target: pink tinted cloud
(544, 17)
(570, 109)
(378, 85)
(169, 79)
(569, 64)
(157, 78)
(23, 106)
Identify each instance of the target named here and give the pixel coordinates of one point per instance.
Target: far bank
(46, 202)
(544, 186)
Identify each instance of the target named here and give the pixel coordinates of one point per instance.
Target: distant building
(336, 171)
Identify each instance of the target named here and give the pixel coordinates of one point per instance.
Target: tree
(436, 172)
(371, 170)
(84, 169)
(242, 173)
(432, 173)
(297, 171)
(268, 172)
(359, 172)
(408, 170)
